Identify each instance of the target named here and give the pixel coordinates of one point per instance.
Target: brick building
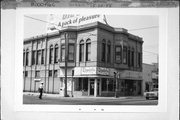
(95, 52)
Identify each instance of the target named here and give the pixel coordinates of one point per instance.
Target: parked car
(152, 94)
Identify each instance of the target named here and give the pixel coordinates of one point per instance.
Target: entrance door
(91, 87)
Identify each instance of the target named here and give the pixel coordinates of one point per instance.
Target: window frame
(103, 51)
(118, 54)
(88, 51)
(56, 50)
(109, 52)
(81, 51)
(62, 52)
(27, 57)
(73, 52)
(51, 54)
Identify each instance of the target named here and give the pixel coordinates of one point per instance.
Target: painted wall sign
(58, 22)
(103, 71)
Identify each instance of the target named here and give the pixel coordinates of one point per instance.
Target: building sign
(95, 70)
(103, 71)
(58, 22)
(88, 70)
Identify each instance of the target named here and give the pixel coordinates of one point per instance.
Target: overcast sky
(142, 26)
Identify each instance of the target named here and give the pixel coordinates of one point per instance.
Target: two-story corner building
(95, 52)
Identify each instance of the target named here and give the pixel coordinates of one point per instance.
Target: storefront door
(91, 87)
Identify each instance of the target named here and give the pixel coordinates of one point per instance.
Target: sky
(142, 26)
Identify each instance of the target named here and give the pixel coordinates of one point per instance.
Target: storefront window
(107, 84)
(81, 84)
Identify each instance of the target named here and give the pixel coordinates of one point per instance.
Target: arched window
(56, 54)
(27, 57)
(88, 50)
(103, 51)
(81, 51)
(51, 54)
(109, 52)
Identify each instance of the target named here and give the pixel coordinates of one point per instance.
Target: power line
(39, 20)
(150, 52)
(144, 28)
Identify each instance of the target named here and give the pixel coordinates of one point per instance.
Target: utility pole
(66, 59)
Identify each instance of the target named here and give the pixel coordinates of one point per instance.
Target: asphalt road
(29, 99)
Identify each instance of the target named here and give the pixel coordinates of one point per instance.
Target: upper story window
(132, 57)
(103, 51)
(129, 58)
(118, 54)
(88, 50)
(27, 57)
(38, 59)
(63, 52)
(33, 57)
(109, 52)
(139, 59)
(51, 54)
(50, 73)
(124, 55)
(71, 52)
(55, 73)
(37, 73)
(42, 57)
(56, 54)
(23, 57)
(81, 51)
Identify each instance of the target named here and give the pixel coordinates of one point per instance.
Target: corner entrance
(91, 87)
(94, 87)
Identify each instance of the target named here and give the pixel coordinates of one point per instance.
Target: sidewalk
(92, 97)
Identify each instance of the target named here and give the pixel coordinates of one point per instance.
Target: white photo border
(162, 101)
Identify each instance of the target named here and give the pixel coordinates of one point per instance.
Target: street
(33, 99)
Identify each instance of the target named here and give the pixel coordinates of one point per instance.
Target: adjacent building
(101, 60)
(150, 76)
